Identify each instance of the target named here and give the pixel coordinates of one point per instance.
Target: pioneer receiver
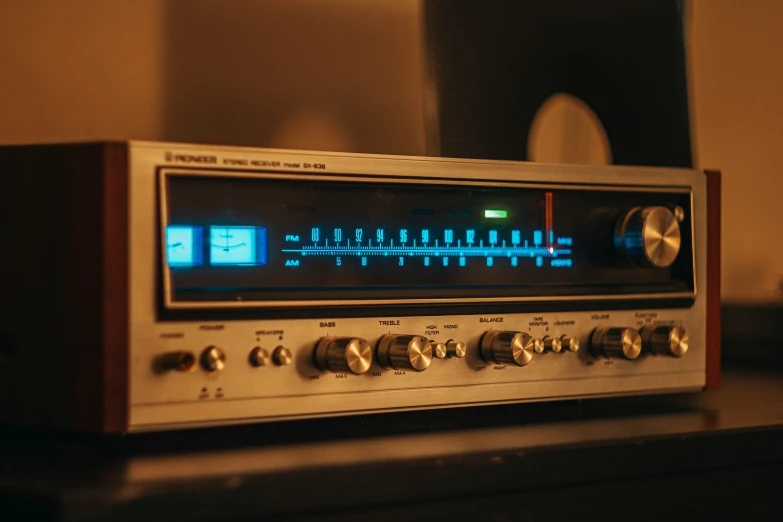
(151, 286)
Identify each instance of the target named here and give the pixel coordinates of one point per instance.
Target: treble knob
(405, 352)
(616, 342)
(506, 347)
(665, 340)
(649, 236)
(343, 355)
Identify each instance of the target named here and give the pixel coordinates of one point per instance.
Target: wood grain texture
(713, 278)
(65, 296)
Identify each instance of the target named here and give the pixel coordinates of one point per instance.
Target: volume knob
(405, 352)
(505, 347)
(616, 342)
(665, 340)
(343, 355)
(649, 236)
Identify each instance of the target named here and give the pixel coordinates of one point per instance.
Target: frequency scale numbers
(428, 246)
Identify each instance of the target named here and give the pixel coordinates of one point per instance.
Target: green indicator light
(495, 214)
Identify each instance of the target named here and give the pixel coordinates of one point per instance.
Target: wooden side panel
(64, 295)
(713, 278)
(115, 291)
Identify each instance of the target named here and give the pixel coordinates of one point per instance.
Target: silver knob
(213, 359)
(616, 342)
(501, 347)
(343, 355)
(405, 352)
(438, 349)
(552, 344)
(258, 357)
(456, 348)
(649, 236)
(665, 340)
(569, 343)
(281, 356)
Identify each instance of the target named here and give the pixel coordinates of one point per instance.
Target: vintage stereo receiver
(151, 286)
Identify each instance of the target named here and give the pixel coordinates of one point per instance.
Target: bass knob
(405, 352)
(343, 355)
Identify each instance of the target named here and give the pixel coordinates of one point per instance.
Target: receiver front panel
(222, 304)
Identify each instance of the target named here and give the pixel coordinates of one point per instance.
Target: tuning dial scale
(405, 352)
(343, 355)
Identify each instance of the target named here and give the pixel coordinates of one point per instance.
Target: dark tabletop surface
(692, 455)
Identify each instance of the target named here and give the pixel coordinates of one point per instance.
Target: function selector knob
(343, 355)
(438, 349)
(553, 344)
(456, 349)
(568, 343)
(649, 236)
(505, 347)
(665, 340)
(213, 359)
(616, 342)
(405, 352)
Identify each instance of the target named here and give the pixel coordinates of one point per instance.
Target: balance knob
(501, 347)
(665, 340)
(649, 236)
(616, 342)
(213, 359)
(569, 343)
(343, 355)
(405, 352)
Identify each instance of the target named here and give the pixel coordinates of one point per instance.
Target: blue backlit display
(495, 247)
(184, 246)
(237, 245)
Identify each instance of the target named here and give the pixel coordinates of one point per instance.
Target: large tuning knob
(405, 352)
(649, 236)
(616, 342)
(517, 348)
(343, 355)
(665, 340)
